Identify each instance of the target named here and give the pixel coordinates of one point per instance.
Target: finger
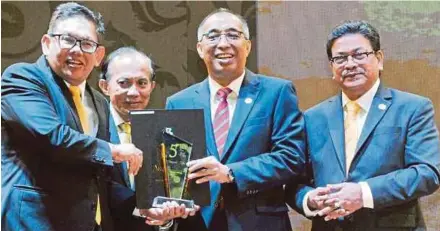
(201, 173)
(335, 187)
(331, 201)
(153, 222)
(335, 214)
(206, 179)
(325, 211)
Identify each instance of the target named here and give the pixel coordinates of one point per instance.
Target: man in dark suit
(373, 151)
(127, 77)
(254, 133)
(55, 132)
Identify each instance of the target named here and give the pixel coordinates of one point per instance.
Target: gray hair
(223, 10)
(124, 51)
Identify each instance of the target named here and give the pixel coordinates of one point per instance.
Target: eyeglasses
(68, 42)
(214, 37)
(357, 57)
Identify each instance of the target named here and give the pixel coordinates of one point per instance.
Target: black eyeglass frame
(76, 42)
(345, 57)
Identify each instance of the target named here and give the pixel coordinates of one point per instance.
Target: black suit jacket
(51, 171)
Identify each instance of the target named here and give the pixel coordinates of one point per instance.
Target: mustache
(348, 73)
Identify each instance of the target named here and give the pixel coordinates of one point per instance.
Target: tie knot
(125, 127)
(353, 106)
(75, 90)
(224, 92)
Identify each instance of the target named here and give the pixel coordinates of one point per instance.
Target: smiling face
(128, 83)
(226, 59)
(73, 65)
(355, 77)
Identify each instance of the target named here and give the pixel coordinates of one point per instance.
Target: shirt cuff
(306, 208)
(367, 196)
(137, 213)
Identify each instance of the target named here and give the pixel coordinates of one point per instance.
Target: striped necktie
(221, 120)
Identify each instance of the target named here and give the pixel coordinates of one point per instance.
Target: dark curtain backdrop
(288, 41)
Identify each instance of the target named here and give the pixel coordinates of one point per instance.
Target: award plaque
(175, 153)
(168, 140)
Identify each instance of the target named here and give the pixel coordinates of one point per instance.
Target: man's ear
(380, 58)
(103, 85)
(153, 85)
(199, 50)
(99, 55)
(45, 44)
(248, 47)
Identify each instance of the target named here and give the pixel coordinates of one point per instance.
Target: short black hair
(120, 52)
(353, 27)
(73, 9)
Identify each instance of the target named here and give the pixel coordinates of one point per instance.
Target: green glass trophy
(175, 153)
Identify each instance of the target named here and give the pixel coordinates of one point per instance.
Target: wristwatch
(166, 227)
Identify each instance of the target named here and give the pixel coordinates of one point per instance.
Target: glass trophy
(175, 152)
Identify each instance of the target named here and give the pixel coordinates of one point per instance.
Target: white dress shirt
(364, 102)
(87, 101)
(231, 99)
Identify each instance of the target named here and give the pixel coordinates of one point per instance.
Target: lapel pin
(248, 100)
(382, 106)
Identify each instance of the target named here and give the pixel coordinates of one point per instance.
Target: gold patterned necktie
(126, 139)
(351, 132)
(81, 109)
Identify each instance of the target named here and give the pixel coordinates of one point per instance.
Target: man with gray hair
(253, 133)
(127, 77)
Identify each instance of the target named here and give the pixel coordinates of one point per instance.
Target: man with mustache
(254, 133)
(55, 132)
(373, 151)
(127, 77)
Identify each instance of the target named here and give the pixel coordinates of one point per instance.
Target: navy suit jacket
(51, 171)
(122, 197)
(264, 149)
(398, 155)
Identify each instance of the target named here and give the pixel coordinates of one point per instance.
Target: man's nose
(133, 90)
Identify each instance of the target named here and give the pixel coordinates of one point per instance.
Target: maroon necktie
(221, 120)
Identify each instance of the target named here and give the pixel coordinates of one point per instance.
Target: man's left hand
(347, 198)
(168, 211)
(206, 169)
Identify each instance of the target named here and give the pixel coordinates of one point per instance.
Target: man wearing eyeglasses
(372, 150)
(254, 133)
(55, 132)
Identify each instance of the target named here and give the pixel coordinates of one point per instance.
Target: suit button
(216, 204)
(93, 206)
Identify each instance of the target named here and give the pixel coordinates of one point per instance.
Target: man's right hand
(316, 198)
(127, 152)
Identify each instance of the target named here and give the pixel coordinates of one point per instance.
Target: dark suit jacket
(51, 171)
(264, 149)
(397, 154)
(123, 198)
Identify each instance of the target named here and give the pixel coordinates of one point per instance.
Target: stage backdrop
(288, 41)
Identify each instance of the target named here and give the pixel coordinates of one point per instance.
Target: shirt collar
(116, 117)
(366, 99)
(82, 87)
(234, 85)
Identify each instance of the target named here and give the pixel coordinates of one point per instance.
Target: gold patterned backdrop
(288, 42)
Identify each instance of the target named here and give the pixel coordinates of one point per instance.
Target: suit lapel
(246, 99)
(379, 106)
(335, 120)
(68, 96)
(202, 100)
